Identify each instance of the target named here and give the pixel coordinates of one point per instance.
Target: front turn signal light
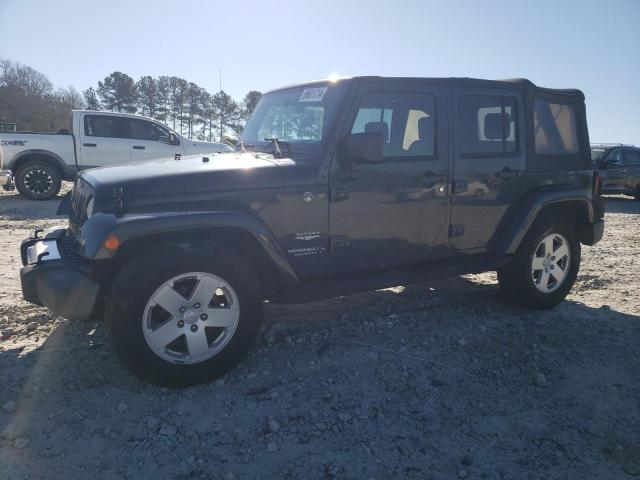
(111, 242)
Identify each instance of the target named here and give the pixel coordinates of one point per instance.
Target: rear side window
(487, 125)
(406, 122)
(105, 126)
(631, 157)
(555, 128)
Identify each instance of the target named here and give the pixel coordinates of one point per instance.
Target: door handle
(89, 145)
(138, 147)
(507, 174)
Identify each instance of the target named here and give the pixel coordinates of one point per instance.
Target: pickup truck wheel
(38, 180)
(181, 316)
(545, 266)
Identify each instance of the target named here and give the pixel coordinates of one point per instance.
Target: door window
(631, 157)
(487, 125)
(143, 130)
(406, 122)
(105, 126)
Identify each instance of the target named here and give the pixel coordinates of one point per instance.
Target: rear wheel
(545, 266)
(38, 180)
(182, 316)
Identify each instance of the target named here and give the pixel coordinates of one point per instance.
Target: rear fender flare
(45, 155)
(519, 219)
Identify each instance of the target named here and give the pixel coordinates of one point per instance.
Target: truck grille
(82, 193)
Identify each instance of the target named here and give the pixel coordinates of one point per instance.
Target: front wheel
(182, 316)
(545, 265)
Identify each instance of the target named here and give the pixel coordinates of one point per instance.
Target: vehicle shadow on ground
(621, 204)
(74, 383)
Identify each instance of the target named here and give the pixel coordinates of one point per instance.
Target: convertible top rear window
(555, 128)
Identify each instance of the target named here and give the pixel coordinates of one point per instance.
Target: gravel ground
(438, 380)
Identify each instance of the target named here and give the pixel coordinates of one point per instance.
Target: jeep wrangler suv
(336, 187)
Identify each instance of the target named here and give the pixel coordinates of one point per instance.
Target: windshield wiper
(276, 146)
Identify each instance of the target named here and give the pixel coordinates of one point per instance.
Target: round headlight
(90, 208)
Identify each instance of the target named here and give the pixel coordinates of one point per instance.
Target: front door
(396, 210)
(488, 166)
(104, 141)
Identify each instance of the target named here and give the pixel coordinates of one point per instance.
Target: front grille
(66, 249)
(82, 193)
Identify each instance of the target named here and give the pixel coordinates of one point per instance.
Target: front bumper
(6, 180)
(591, 233)
(53, 280)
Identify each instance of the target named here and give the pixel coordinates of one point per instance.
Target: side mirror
(364, 147)
(173, 139)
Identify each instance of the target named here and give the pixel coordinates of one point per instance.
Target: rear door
(631, 161)
(614, 176)
(150, 140)
(393, 211)
(104, 140)
(488, 165)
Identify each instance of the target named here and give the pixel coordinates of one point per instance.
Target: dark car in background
(619, 167)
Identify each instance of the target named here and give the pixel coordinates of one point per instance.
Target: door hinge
(339, 241)
(456, 230)
(339, 194)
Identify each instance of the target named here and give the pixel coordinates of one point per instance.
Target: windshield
(598, 154)
(299, 116)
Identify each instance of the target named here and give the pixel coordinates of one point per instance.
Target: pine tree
(147, 98)
(91, 99)
(224, 108)
(118, 93)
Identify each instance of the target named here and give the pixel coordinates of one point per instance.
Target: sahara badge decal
(305, 251)
(307, 236)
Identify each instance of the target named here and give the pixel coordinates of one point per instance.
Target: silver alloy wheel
(38, 181)
(550, 263)
(191, 317)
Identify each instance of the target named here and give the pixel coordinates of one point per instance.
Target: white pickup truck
(38, 162)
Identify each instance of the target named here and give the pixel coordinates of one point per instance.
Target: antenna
(220, 74)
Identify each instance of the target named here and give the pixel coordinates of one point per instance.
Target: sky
(593, 45)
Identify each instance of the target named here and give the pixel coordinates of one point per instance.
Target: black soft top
(522, 84)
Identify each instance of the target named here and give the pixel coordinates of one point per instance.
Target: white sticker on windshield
(313, 94)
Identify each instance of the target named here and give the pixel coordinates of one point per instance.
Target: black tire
(38, 180)
(137, 281)
(516, 279)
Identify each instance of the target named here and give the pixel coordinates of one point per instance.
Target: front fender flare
(137, 226)
(518, 220)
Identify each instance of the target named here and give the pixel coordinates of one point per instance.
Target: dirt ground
(439, 380)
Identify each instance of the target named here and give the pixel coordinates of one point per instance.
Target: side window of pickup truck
(143, 130)
(631, 157)
(105, 126)
(407, 123)
(487, 125)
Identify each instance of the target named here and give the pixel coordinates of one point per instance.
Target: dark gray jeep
(336, 187)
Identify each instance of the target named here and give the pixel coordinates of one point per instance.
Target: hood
(195, 147)
(167, 176)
